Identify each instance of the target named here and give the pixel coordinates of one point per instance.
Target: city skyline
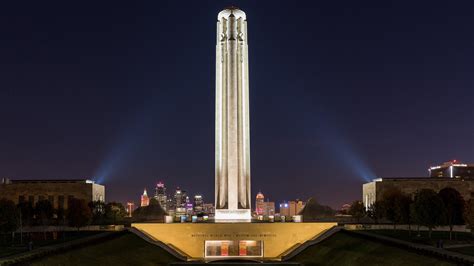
(88, 95)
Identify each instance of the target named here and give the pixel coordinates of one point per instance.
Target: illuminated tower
(259, 204)
(160, 195)
(130, 206)
(232, 152)
(198, 204)
(144, 199)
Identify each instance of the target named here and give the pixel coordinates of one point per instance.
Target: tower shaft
(232, 117)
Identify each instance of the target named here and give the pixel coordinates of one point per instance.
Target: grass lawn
(126, 249)
(340, 249)
(345, 249)
(423, 238)
(16, 247)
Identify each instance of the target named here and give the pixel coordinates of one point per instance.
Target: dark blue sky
(340, 92)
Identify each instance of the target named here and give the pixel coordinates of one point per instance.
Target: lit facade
(269, 208)
(208, 209)
(232, 148)
(144, 200)
(160, 195)
(130, 208)
(452, 169)
(259, 204)
(57, 191)
(198, 204)
(375, 190)
(291, 208)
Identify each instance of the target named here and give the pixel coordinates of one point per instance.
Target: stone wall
(375, 190)
(57, 192)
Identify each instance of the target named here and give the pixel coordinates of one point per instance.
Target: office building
(452, 169)
(259, 203)
(160, 195)
(144, 200)
(198, 204)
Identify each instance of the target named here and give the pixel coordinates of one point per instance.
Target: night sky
(340, 93)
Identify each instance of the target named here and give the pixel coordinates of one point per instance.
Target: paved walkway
(458, 246)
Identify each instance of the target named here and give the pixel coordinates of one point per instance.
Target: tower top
(232, 10)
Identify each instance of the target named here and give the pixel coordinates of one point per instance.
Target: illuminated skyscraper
(145, 201)
(180, 201)
(291, 208)
(160, 195)
(269, 208)
(452, 169)
(259, 203)
(198, 204)
(232, 154)
(130, 207)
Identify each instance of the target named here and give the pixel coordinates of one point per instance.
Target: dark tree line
(426, 208)
(152, 212)
(79, 214)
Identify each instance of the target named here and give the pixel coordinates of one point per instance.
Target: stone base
(232, 216)
(189, 239)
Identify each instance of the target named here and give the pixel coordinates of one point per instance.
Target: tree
(313, 210)
(98, 211)
(78, 213)
(154, 201)
(376, 211)
(357, 210)
(44, 212)
(27, 212)
(9, 216)
(454, 206)
(469, 213)
(150, 212)
(396, 207)
(404, 211)
(115, 211)
(428, 209)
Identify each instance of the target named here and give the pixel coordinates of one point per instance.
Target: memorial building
(57, 191)
(232, 235)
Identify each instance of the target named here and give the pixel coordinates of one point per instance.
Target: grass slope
(126, 249)
(345, 249)
(340, 249)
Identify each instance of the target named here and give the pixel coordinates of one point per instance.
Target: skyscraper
(198, 204)
(180, 201)
(452, 169)
(232, 154)
(144, 201)
(259, 203)
(160, 195)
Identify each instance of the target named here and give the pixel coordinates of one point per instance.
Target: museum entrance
(221, 249)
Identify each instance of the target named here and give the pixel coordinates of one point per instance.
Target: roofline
(20, 181)
(422, 178)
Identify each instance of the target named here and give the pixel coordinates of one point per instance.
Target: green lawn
(345, 249)
(126, 249)
(15, 247)
(340, 249)
(423, 238)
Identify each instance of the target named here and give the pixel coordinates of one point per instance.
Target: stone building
(374, 191)
(57, 191)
